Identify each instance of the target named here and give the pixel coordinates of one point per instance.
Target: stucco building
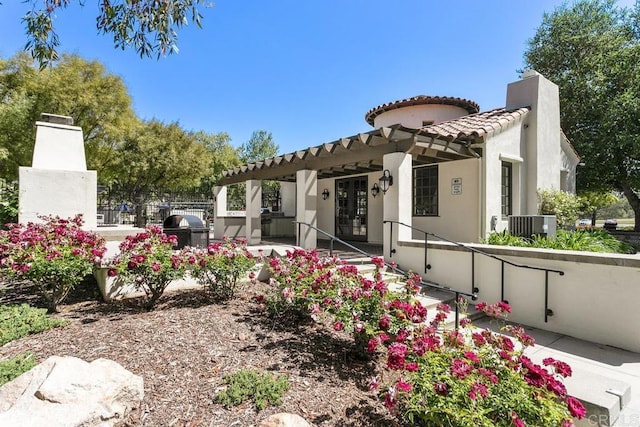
(434, 163)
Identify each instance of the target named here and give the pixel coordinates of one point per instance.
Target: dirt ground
(185, 347)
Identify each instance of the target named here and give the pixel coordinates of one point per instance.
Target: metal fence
(155, 211)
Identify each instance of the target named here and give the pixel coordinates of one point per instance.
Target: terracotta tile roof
(468, 105)
(475, 126)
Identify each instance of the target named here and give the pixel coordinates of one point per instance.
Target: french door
(351, 208)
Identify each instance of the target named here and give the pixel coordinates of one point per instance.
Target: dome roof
(466, 104)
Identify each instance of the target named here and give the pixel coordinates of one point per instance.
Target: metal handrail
(332, 239)
(547, 312)
(394, 267)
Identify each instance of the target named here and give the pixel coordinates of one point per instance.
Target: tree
(223, 156)
(259, 147)
(98, 102)
(592, 201)
(591, 50)
(155, 156)
(149, 26)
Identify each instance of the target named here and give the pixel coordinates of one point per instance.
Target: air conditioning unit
(528, 225)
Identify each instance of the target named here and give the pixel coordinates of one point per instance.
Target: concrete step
(603, 397)
(603, 379)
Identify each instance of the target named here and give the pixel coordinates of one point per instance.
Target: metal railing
(394, 267)
(474, 289)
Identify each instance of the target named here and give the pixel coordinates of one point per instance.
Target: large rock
(284, 419)
(69, 392)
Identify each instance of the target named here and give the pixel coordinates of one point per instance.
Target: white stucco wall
(595, 300)
(458, 214)
(57, 192)
(232, 227)
(58, 182)
(288, 198)
(59, 147)
(542, 150)
(413, 116)
(504, 146)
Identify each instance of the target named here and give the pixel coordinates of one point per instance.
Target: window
(507, 189)
(425, 191)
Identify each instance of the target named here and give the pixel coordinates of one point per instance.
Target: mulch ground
(185, 347)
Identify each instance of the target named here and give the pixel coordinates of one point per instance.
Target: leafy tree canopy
(259, 147)
(148, 26)
(97, 100)
(157, 156)
(592, 201)
(591, 50)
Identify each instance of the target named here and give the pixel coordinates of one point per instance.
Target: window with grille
(507, 189)
(425, 191)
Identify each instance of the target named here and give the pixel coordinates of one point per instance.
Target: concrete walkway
(606, 377)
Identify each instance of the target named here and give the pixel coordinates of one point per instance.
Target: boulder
(67, 391)
(284, 419)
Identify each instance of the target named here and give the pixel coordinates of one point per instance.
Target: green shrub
(16, 366)
(565, 206)
(588, 240)
(265, 389)
(8, 203)
(17, 321)
(503, 238)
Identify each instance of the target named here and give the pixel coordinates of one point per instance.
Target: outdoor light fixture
(325, 194)
(386, 181)
(375, 190)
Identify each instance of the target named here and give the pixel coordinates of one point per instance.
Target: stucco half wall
(593, 287)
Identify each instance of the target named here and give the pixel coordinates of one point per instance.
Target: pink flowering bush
(432, 376)
(149, 263)
(220, 267)
(54, 255)
(303, 282)
(478, 378)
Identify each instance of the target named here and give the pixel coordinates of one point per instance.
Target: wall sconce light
(325, 194)
(386, 181)
(375, 190)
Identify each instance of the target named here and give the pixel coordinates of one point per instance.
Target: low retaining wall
(596, 299)
(626, 236)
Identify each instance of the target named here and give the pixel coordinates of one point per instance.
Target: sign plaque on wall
(456, 186)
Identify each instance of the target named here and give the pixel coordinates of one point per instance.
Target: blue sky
(308, 71)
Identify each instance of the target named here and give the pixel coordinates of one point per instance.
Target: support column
(306, 207)
(254, 209)
(397, 201)
(219, 211)
(288, 198)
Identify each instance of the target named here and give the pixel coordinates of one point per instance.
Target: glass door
(351, 208)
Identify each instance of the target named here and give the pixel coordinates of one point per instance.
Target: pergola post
(219, 211)
(397, 201)
(254, 210)
(288, 198)
(306, 207)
